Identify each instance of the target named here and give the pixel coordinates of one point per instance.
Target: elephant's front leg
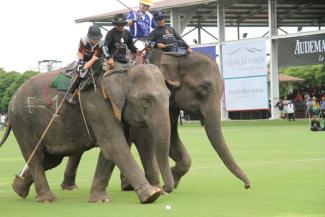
(178, 152)
(128, 166)
(69, 181)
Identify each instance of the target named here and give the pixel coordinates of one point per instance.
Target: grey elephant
(196, 87)
(139, 98)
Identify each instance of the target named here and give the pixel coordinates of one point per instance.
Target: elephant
(196, 87)
(138, 97)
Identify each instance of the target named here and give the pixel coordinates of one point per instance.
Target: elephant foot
(20, 187)
(68, 186)
(46, 197)
(163, 192)
(99, 197)
(148, 194)
(166, 190)
(176, 177)
(125, 185)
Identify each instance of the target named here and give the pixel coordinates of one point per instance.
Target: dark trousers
(291, 116)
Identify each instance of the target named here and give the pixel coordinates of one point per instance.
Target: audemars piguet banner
(245, 74)
(302, 50)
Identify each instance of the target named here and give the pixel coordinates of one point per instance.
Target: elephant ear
(171, 69)
(114, 90)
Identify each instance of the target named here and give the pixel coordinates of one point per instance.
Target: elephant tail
(6, 133)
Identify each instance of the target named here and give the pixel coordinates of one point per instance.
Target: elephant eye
(203, 90)
(147, 100)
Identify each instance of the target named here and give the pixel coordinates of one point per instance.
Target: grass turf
(284, 161)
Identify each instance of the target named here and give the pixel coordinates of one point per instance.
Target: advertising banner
(244, 59)
(207, 49)
(245, 75)
(246, 93)
(302, 50)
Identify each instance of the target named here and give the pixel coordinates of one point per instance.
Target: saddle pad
(175, 54)
(61, 82)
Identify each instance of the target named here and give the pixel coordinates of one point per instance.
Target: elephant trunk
(160, 131)
(212, 124)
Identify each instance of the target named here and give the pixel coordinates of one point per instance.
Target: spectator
(314, 124)
(315, 108)
(181, 117)
(280, 106)
(322, 106)
(299, 99)
(291, 111)
(285, 107)
(308, 106)
(2, 121)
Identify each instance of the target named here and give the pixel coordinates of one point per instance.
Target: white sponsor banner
(244, 59)
(249, 93)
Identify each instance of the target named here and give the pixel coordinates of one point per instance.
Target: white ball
(168, 207)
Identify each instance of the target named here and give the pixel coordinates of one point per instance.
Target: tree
(314, 75)
(9, 84)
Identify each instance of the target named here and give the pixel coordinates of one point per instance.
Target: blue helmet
(159, 15)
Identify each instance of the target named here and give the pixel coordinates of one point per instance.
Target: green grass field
(284, 161)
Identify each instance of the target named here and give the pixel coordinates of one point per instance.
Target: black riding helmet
(94, 33)
(119, 19)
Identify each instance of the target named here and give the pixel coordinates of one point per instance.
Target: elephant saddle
(62, 80)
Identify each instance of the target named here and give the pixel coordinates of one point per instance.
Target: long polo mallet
(46, 129)
(125, 5)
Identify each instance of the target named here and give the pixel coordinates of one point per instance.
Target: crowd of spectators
(312, 102)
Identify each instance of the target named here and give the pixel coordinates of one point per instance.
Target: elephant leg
(37, 165)
(178, 152)
(114, 147)
(182, 159)
(144, 145)
(150, 166)
(128, 166)
(42, 188)
(102, 176)
(21, 185)
(69, 181)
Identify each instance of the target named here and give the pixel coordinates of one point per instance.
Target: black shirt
(167, 35)
(116, 44)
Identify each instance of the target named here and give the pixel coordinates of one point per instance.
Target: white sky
(35, 30)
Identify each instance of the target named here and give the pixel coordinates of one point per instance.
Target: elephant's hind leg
(36, 173)
(102, 176)
(44, 193)
(69, 181)
(21, 185)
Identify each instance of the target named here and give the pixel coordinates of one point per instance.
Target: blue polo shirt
(141, 28)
